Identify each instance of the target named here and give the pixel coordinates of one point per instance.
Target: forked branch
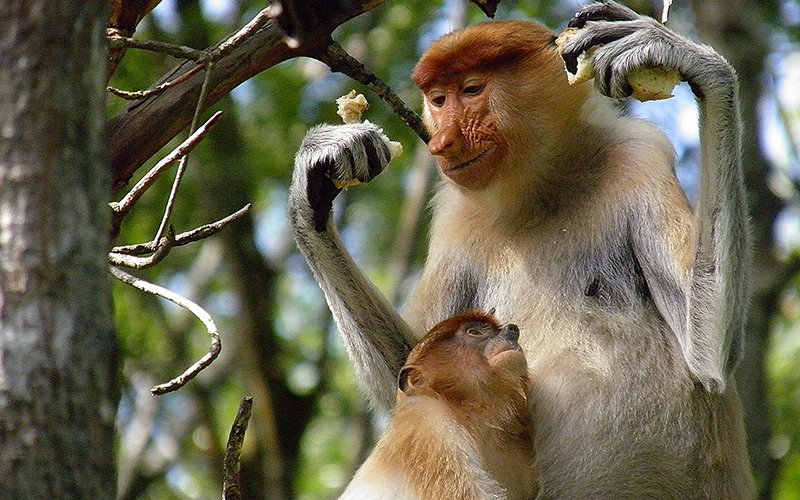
(184, 238)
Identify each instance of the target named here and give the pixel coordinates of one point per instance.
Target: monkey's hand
(330, 158)
(626, 42)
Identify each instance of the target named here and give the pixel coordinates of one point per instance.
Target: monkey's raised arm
(706, 306)
(376, 337)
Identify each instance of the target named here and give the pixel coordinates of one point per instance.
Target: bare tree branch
(176, 184)
(199, 312)
(133, 262)
(125, 16)
(143, 94)
(185, 238)
(248, 30)
(149, 123)
(231, 487)
(123, 207)
(489, 7)
(179, 51)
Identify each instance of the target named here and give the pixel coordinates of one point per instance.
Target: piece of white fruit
(350, 107)
(648, 84)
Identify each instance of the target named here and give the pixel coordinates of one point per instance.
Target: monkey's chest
(543, 286)
(588, 309)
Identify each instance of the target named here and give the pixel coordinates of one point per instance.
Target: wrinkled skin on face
(484, 102)
(465, 141)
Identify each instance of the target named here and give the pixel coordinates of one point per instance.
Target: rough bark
(58, 351)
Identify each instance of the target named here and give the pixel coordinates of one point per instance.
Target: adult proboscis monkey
(568, 218)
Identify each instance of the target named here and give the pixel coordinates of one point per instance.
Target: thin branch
(173, 195)
(340, 61)
(133, 262)
(179, 51)
(259, 21)
(199, 312)
(185, 238)
(143, 94)
(489, 7)
(231, 486)
(124, 206)
(248, 30)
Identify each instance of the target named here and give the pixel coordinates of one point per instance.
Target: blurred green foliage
(310, 426)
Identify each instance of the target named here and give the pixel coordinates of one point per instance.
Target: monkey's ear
(409, 378)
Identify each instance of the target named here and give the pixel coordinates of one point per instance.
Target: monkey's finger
(377, 157)
(611, 71)
(602, 11)
(592, 35)
(365, 156)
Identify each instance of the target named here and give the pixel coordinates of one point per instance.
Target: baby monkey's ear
(409, 378)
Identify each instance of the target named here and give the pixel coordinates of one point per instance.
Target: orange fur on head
(489, 89)
(462, 426)
(484, 47)
(460, 374)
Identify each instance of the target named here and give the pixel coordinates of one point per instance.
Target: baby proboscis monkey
(461, 429)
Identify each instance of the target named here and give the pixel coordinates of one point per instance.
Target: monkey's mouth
(510, 357)
(469, 163)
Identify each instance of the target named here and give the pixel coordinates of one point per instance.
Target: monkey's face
(465, 139)
(499, 346)
(466, 358)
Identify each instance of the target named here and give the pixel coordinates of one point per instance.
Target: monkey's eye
(402, 379)
(438, 100)
(475, 332)
(473, 89)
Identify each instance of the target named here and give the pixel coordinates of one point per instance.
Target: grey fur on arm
(714, 299)
(377, 339)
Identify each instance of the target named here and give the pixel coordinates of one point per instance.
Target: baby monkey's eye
(475, 332)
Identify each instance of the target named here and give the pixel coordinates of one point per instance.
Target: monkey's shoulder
(639, 157)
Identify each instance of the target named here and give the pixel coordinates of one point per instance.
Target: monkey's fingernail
(571, 63)
(578, 21)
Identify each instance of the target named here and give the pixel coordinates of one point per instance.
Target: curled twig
(185, 238)
(199, 312)
(231, 487)
(340, 61)
(143, 94)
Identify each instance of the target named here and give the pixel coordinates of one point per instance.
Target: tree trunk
(58, 352)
